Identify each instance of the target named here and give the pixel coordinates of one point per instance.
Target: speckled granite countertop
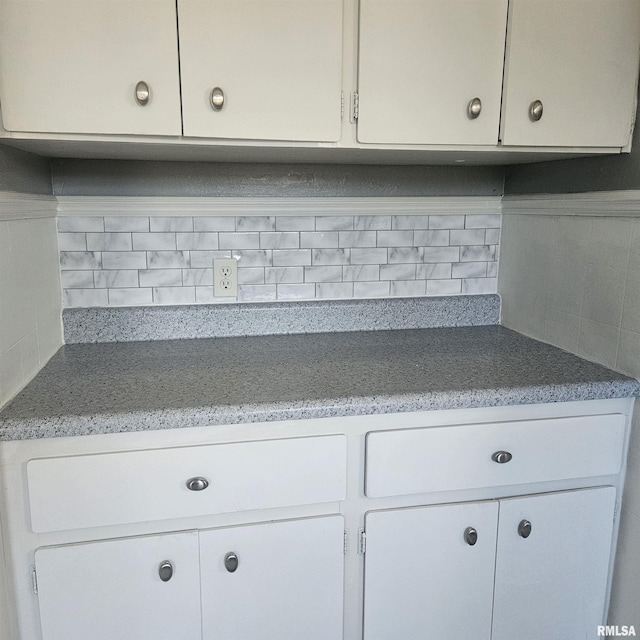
(117, 387)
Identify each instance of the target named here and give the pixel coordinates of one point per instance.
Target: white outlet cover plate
(225, 286)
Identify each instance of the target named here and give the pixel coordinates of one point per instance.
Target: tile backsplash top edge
(147, 260)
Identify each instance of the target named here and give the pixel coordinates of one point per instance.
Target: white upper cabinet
(430, 71)
(70, 66)
(261, 69)
(578, 61)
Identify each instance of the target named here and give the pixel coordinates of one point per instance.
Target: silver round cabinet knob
(231, 562)
(217, 98)
(501, 457)
(142, 93)
(535, 110)
(474, 108)
(165, 571)
(470, 536)
(197, 484)
(524, 529)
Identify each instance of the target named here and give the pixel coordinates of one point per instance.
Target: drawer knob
(142, 93)
(197, 484)
(535, 110)
(501, 457)
(474, 108)
(524, 529)
(216, 98)
(231, 562)
(165, 571)
(470, 536)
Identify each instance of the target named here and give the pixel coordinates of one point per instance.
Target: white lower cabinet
(279, 580)
(542, 561)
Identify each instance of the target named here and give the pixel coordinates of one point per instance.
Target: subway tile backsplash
(168, 260)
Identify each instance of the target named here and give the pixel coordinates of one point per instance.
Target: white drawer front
(460, 457)
(140, 486)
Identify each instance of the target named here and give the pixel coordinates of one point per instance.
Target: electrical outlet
(225, 278)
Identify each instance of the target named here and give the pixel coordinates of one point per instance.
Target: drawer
(140, 486)
(460, 457)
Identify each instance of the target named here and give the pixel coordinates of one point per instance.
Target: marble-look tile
(482, 253)
(168, 260)
(109, 279)
(492, 269)
(72, 241)
(357, 238)
(284, 275)
(109, 242)
(405, 254)
(76, 279)
(407, 288)
(492, 236)
(446, 222)
(318, 240)
(295, 223)
(371, 289)
(161, 277)
(279, 240)
(201, 241)
(214, 223)
(120, 224)
(251, 275)
(249, 258)
(431, 238)
(79, 260)
(483, 221)
(204, 259)
(85, 298)
(197, 277)
(255, 223)
(410, 222)
(397, 272)
(334, 223)
(170, 223)
(257, 292)
(444, 287)
(467, 236)
(81, 224)
(479, 285)
(174, 295)
(334, 290)
(469, 270)
(323, 274)
(321, 257)
(395, 238)
(124, 260)
(441, 254)
(361, 272)
(154, 241)
(286, 258)
(372, 223)
(130, 297)
(239, 240)
(433, 271)
(296, 291)
(369, 256)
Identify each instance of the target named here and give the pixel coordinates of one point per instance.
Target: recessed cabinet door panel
(423, 579)
(112, 589)
(277, 64)
(552, 584)
(579, 58)
(287, 584)
(421, 62)
(72, 67)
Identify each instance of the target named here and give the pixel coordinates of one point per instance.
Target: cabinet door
(288, 581)
(277, 64)
(73, 67)
(423, 579)
(113, 589)
(421, 62)
(552, 584)
(579, 58)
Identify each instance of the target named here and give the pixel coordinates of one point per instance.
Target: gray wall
(24, 172)
(143, 178)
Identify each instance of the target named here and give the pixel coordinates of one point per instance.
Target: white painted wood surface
(72, 67)
(420, 64)
(422, 580)
(112, 589)
(445, 459)
(138, 486)
(288, 584)
(580, 58)
(278, 62)
(551, 585)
